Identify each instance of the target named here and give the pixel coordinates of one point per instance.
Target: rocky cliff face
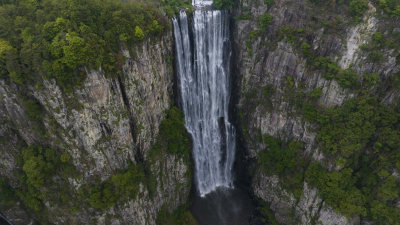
(103, 125)
(269, 70)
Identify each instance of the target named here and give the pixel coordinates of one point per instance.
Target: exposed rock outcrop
(269, 69)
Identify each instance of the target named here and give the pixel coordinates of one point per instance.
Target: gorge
(181, 112)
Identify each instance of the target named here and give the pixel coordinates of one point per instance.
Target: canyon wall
(105, 125)
(271, 68)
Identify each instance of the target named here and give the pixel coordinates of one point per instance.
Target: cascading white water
(204, 85)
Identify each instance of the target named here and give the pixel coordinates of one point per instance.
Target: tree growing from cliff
(357, 8)
(139, 35)
(223, 4)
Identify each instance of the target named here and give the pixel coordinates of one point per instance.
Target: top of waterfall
(202, 3)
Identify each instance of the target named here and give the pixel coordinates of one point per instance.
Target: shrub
(389, 190)
(371, 79)
(33, 109)
(172, 7)
(31, 197)
(38, 163)
(384, 213)
(180, 216)
(173, 134)
(254, 34)
(316, 93)
(347, 78)
(268, 91)
(269, 3)
(126, 184)
(6, 192)
(223, 4)
(100, 196)
(306, 50)
(337, 189)
(265, 21)
(282, 158)
(358, 7)
(376, 55)
(139, 35)
(391, 7)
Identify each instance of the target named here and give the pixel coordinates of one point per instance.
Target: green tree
(358, 7)
(389, 189)
(223, 4)
(75, 51)
(35, 169)
(265, 21)
(4, 47)
(139, 35)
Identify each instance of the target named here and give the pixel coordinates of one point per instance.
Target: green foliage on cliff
(180, 216)
(124, 185)
(269, 3)
(172, 7)
(347, 78)
(382, 41)
(173, 134)
(44, 169)
(6, 192)
(361, 188)
(338, 189)
(223, 4)
(284, 159)
(33, 109)
(358, 7)
(280, 157)
(39, 165)
(377, 42)
(60, 39)
(265, 21)
(391, 7)
(363, 138)
(121, 187)
(264, 213)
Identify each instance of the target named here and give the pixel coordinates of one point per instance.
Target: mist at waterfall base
(225, 206)
(202, 66)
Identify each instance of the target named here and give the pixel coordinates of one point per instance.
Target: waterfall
(204, 86)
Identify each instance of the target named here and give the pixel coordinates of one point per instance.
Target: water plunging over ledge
(204, 85)
(202, 64)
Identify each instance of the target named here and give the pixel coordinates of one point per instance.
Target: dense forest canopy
(60, 39)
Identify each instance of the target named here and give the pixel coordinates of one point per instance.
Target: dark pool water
(4, 221)
(223, 207)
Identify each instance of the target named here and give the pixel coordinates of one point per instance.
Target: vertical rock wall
(267, 62)
(104, 124)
